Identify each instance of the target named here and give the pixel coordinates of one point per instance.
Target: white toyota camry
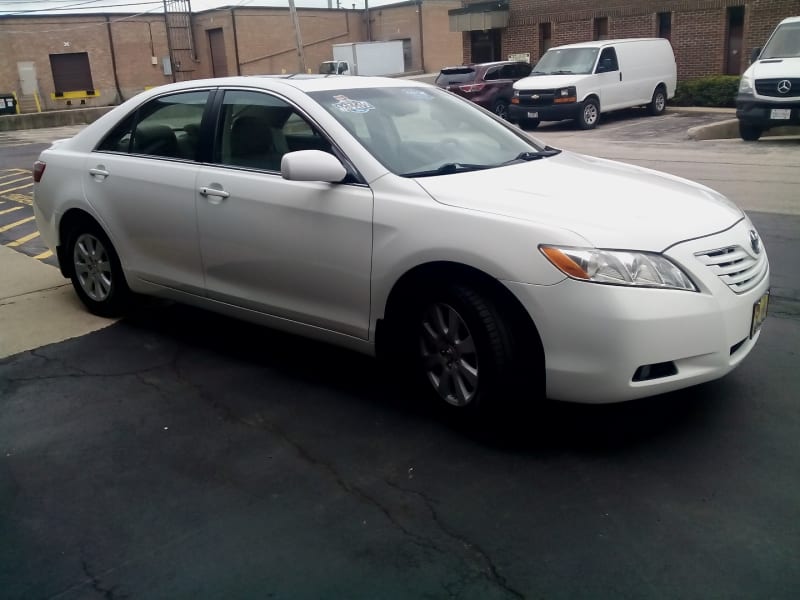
(397, 219)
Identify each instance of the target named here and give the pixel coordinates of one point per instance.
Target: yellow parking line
(8, 210)
(5, 228)
(43, 255)
(19, 187)
(23, 239)
(17, 180)
(14, 173)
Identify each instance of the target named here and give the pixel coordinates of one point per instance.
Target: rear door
(141, 181)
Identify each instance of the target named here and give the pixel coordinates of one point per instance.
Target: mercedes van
(769, 91)
(581, 81)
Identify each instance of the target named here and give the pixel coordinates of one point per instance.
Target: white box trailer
(366, 58)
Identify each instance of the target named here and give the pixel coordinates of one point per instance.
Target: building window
(71, 73)
(664, 25)
(545, 37)
(601, 28)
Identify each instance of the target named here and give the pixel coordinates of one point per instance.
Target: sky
(28, 7)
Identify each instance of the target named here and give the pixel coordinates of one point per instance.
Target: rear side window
(455, 76)
(168, 127)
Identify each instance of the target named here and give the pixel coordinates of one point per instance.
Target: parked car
(396, 219)
(582, 81)
(486, 84)
(769, 91)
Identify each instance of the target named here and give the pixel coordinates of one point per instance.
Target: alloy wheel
(92, 267)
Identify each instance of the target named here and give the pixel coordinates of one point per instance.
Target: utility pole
(301, 55)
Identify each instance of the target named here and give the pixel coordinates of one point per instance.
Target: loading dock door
(71, 72)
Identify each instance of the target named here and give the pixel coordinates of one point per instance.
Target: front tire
(749, 133)
(95, 270)
(462, 349)
(590, 114)
(529, 124)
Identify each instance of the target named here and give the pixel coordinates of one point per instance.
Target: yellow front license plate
(759, 313)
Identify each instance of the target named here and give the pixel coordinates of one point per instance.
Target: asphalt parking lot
(179, 454)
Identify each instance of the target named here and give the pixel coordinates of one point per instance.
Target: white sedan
(397, 219)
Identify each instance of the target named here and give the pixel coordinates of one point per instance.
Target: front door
(297, 250)
(27, 78)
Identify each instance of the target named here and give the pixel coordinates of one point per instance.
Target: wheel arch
(68, 221)
(423, 276)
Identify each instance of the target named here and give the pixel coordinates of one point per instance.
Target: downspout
(113, 60)
(421, 37)
(235, 40)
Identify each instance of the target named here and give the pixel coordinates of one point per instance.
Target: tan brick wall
(35, 39)
(266, 40)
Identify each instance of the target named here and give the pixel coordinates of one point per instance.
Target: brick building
(100, 59)
(709, 37)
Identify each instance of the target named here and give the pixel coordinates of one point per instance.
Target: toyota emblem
(755, 243)
(784, 86)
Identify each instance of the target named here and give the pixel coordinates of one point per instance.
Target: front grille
(738, 269)
(543, 97)
(769, 87)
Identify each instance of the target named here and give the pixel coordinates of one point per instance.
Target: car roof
(604, 43)
(301, 82)
(483, 65)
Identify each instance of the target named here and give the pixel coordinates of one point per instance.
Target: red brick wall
(699, 27)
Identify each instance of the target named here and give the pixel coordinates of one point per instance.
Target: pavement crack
(107, 593)
(492, 573)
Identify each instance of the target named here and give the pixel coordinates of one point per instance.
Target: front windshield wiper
(563, 72)
(528, 155)
(449, 168)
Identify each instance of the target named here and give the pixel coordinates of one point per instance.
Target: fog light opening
(655, 371)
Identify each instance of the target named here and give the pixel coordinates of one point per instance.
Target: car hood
(770, 68)
(546, 82)
(609, 204)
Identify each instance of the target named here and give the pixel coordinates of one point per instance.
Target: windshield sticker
(418, 93)
(345, 104)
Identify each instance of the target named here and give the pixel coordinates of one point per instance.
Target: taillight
(472, 87)
(38, 171)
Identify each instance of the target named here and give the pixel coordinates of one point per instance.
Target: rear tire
(590, 114)
(95, 270)
(659, 102)
(500, 108)
(749, 133)
(528, 124)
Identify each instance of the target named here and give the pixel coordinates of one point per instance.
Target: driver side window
(608, 61)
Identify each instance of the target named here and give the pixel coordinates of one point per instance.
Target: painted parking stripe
(44, 255)
(10, 226)
(9, 210)
(20, 187)
(23, 239)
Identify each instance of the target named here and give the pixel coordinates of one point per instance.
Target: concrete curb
(55, 118)
(729, 129)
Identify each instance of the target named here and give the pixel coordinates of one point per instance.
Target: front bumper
(759, 112)
(553, 112)
(597, 337)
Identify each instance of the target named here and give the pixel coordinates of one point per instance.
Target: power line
(86, 26)
(80, 6)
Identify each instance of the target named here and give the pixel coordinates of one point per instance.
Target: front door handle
(214, 195)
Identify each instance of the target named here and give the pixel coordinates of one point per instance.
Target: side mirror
(312, 165)
(754, 55)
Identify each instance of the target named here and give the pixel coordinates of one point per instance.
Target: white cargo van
(769, 91)
(581, 81)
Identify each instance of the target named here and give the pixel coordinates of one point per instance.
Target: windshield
(784, 43)
(566, 61)
(416, 131)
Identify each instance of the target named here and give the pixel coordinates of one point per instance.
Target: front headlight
(746, 85)
(565, 95)
(618, 267)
